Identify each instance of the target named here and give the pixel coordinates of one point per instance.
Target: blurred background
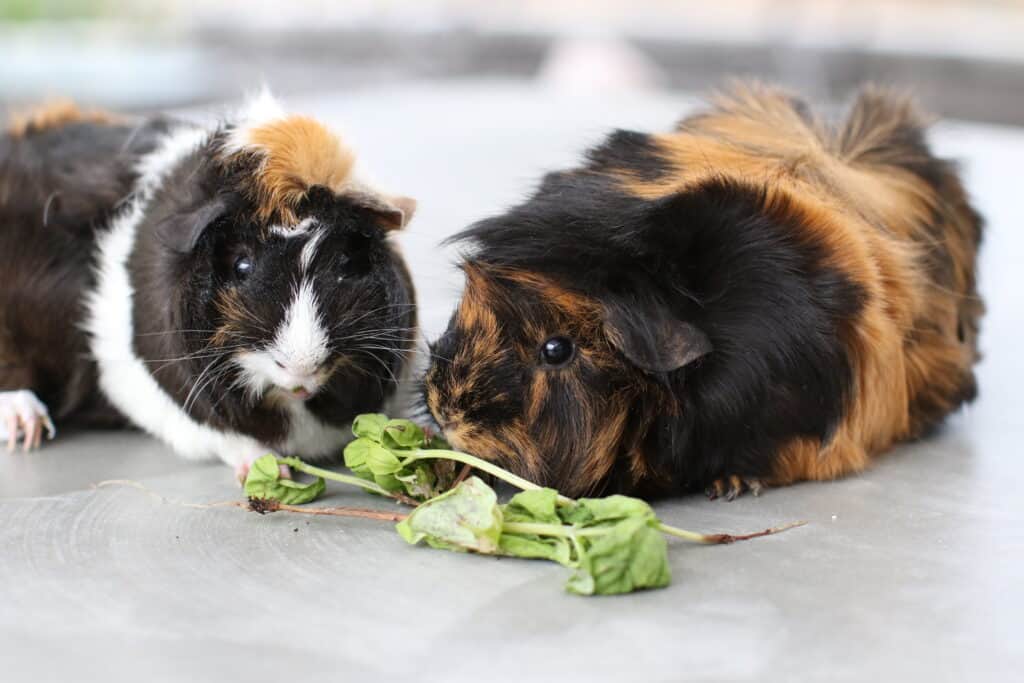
(964, 59)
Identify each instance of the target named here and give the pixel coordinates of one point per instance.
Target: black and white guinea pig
(757, 297)
(230, 288)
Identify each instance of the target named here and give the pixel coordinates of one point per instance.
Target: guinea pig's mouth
(301, 393)
(264, 374)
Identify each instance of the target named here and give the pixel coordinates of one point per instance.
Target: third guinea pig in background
(756, 297)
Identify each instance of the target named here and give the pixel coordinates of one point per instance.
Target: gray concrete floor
(911, 571)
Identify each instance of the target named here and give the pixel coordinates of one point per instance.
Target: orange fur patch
(54, 115)
(298, 153)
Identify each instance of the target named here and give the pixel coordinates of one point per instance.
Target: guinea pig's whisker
(197, 387)
(367, 314)
(387, 349)
(384, 364)
(376, 330)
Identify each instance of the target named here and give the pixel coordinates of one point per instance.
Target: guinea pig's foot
(23, 416)
(733, 486)
(243, 467)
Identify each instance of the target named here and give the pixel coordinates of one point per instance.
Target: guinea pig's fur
(230, 288)
(757, 297)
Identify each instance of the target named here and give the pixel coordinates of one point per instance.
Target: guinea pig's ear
(181, 230)
(394, 213)
(652, 338)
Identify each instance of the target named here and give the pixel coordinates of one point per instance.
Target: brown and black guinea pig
(755, 298)
(230, 288)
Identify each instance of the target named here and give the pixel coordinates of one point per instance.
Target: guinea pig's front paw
(24, 416)
(731, 487)
(245, 464)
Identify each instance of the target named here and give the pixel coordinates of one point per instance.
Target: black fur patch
(632, 152)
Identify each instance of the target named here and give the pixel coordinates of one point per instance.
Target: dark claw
(733, 487)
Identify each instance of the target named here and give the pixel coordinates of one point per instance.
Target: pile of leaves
(614, 544)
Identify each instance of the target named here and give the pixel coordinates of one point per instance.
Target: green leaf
(370, 460)
(530, 546)
(588, 511)
(419, 481)
(264, 481)
(466, 518)
(382, 461)
(632, 555)
(355, 456)
(369, 426)
(535, 505)
(403, 434)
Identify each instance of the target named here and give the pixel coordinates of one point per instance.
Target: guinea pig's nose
(300, 368)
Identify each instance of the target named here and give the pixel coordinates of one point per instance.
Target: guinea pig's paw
(733, 486)
(23, 416)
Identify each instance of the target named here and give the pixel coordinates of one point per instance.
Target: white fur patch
(297, 230)
(177, 145)
(258, 111)
(309, 250)
(301, 340)
(123, 376)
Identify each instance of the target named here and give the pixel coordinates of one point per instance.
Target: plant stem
(297, 464)
(480, 464)
(265, 506)
(723, 538)
(541, 529)
(568, 531)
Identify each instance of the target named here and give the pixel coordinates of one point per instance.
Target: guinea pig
(755, 298)
(230, 288)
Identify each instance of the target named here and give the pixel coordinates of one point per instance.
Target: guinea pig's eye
(557, 351)
(243, 267)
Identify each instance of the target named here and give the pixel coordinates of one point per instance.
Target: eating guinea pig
(755, 298)
(230, 288)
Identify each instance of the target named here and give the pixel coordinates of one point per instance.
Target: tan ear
(407, 205)
(394, 212)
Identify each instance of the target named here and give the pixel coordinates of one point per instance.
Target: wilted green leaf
(531, 546)
(535, 505)
(264, 481)
(465, 518)
(419, 481)
(595, 510)
(631, 555)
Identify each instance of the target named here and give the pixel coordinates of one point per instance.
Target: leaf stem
(547, 529)
(265, 506)
(723, 538)
(301, 466)
(480, 464)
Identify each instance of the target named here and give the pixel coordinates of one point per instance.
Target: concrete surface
(909, 572)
